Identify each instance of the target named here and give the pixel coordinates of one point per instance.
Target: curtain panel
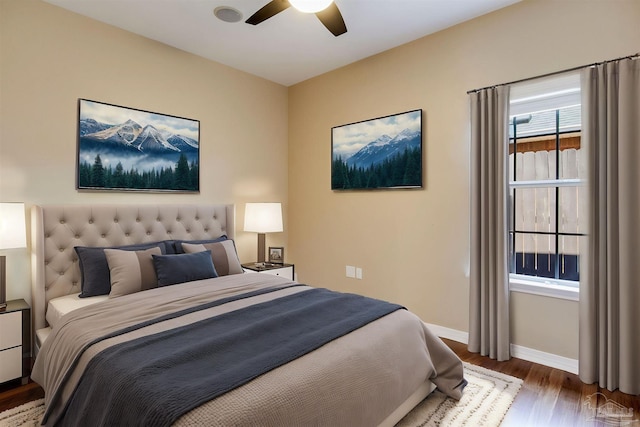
(610, 290)
(489, 281)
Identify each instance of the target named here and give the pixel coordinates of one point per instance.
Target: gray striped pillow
(131, 271)
(224, 256)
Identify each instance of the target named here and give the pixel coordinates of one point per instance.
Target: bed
(221, 348)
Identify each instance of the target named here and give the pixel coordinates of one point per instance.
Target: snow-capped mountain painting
(380, 153)
(128, 149)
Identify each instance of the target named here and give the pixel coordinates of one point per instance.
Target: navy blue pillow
(94, 268)
(180, 268)
(170, 246)
(177, 244)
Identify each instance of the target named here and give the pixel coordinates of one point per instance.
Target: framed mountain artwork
(381, 153)
(126, 149)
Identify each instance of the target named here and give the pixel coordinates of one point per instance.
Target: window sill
(553, 290)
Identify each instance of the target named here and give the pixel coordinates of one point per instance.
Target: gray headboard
(57, 229)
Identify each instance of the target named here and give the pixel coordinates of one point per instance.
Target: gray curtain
(610, 286)
(489, 284)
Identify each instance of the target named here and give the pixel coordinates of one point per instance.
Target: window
(547, 168)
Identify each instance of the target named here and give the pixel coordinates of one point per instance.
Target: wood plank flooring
(13, 394)
(551, 397)
(548, 397)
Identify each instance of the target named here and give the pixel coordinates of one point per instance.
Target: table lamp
(263, 218)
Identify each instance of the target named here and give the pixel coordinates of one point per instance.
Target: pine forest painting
(379, 153)
(124, 149)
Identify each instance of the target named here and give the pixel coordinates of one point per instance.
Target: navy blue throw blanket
(154, 380)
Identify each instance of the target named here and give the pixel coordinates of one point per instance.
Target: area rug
(485, 402)
(26, 415)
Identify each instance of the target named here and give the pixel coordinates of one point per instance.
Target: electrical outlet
(351, 271)
(358, 273)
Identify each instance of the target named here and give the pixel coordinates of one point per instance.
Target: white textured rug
(26, 415)
(485, 402)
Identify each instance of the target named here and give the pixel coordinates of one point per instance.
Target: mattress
(60, 306)
(57, 308)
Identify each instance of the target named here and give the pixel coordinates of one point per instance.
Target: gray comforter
(357, 379)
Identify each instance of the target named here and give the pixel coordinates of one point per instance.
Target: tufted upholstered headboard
(57, 229)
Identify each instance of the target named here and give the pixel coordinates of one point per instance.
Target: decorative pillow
(180, 250)
(131, 271)
(180, 268)
(170, 247)
(223, 254)
(94, 270)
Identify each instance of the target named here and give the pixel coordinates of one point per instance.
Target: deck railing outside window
(547, 167)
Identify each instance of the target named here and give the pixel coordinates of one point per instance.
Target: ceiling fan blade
(332, 19)
(270, 9)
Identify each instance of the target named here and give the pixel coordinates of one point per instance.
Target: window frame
(545, 286)
(555, 288)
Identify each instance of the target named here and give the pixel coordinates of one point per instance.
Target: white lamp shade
(263, 217)
(310, 6)
(13, 230)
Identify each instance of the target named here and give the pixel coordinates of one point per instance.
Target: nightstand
(284, 270)
(15, 340)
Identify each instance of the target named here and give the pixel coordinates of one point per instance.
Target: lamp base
(3, 282)
(261, 247)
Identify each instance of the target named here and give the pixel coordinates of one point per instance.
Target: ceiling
(291, 46)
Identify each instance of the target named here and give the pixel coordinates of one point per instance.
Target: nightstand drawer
(286, 272)
(10, 363)
(10, 330)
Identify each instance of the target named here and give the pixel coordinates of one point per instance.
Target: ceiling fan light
(310, 6)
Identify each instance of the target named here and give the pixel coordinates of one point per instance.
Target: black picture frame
(380, 153)
(127, 149)
(276, 254)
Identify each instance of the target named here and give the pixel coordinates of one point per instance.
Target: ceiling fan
(326, 11)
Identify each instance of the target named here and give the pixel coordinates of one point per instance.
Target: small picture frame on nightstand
(276, 254)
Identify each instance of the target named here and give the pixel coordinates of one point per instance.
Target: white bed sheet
(60, 306)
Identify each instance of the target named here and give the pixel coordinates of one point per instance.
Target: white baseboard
(543, 358)
(448, 333)
(518, 351)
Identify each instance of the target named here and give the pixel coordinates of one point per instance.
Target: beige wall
(413, 245)
(51, 57)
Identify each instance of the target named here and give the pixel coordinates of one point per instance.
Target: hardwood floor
(548, 397)
(13, 394)
(551, 397)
